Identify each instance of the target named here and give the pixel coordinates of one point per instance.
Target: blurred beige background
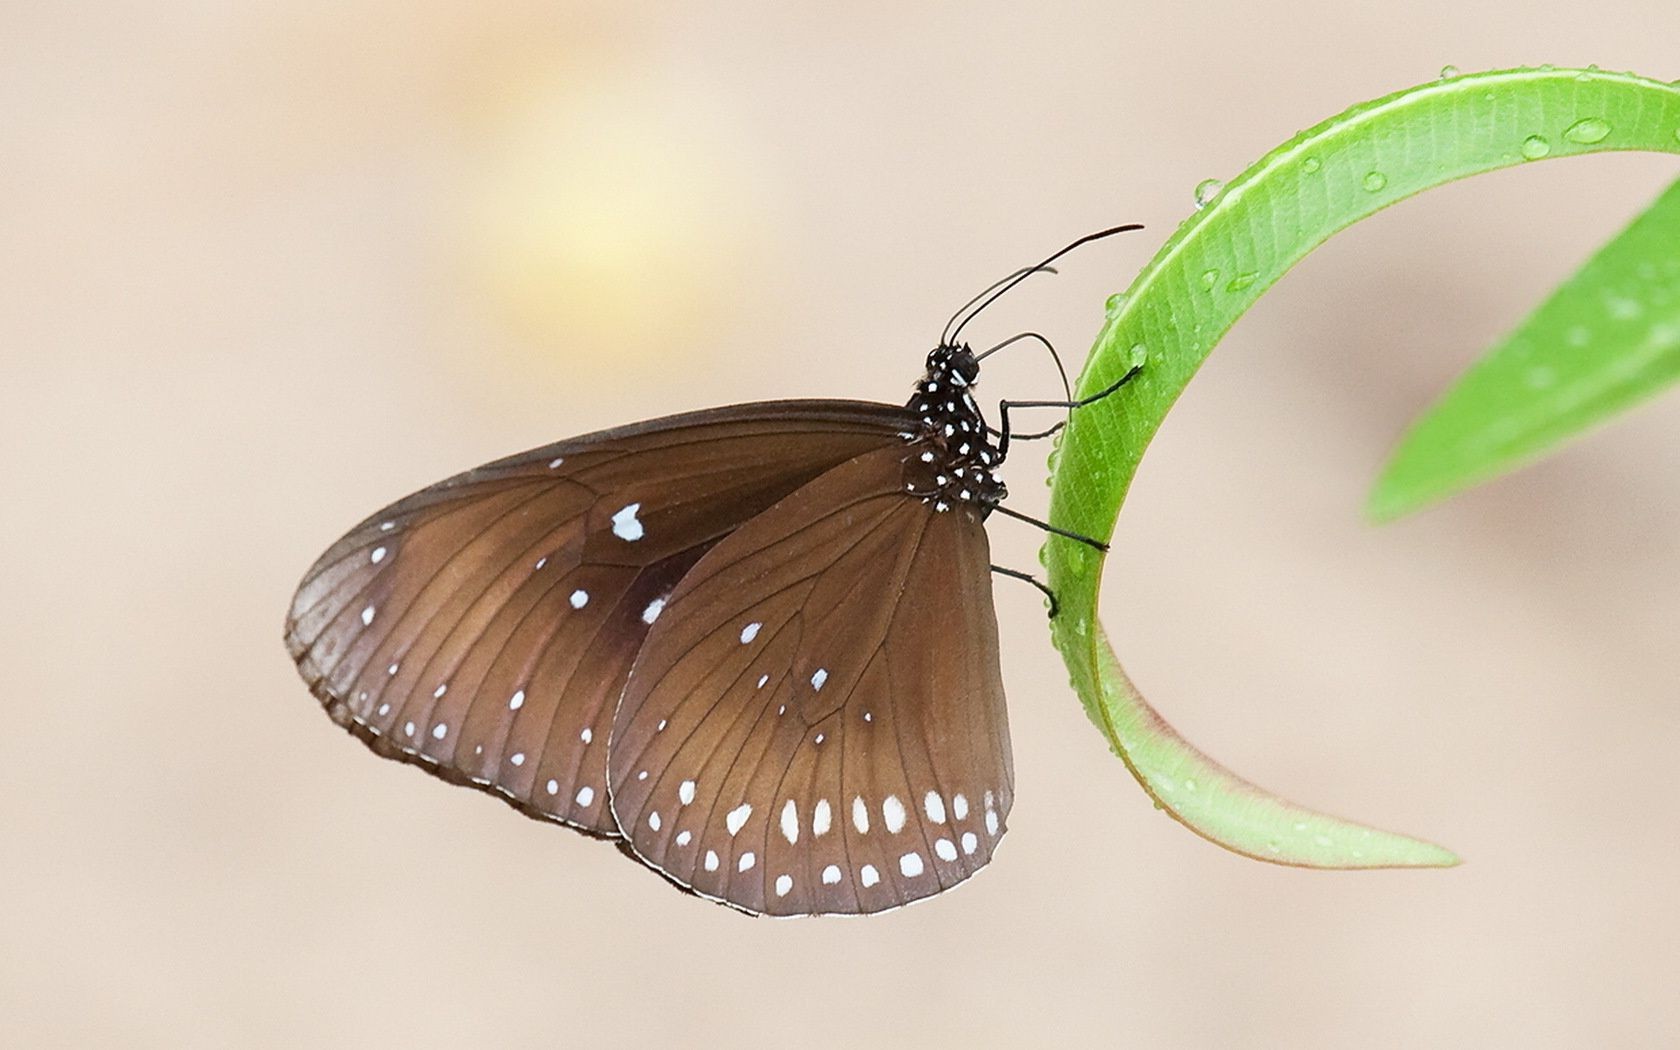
(269, 266)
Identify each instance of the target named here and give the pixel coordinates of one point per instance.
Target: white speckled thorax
(954, 459)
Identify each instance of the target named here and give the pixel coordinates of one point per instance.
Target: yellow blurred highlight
(607, 217)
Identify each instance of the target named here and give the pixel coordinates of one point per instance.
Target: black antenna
(1020, 275)
(945, 340)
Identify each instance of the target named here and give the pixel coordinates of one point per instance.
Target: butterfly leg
(1019, 575)
(1047, 527)
(1005, 432)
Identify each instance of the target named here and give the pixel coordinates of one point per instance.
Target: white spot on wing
(367, 616)
(959, 806)
(654, 608)
(750, 631)
(935, 807)
(556, 461)
(911, 864)
(653, 820)
(819, 678)
(516, 701)
(831, 875)
(991, 822)
(820, 817)
(518, 758)
(892, 811)
(790, 822)
(580, 598)
(784, 885)
(746, 862)
(587, 735)
(585, 795)
(711, 860)
(946, 849)
(971, 842)
(683, 837)
(685, 792)
(440, 731)
(762, 679)
(377, 556)
(868, 875)
(553, 787)
(625, 526)
(737, 817)
(860, 815)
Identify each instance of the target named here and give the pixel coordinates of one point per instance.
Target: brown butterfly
(754, 645)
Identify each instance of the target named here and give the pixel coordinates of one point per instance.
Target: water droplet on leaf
(1115, 304)
(1140, 354)
(1210, 278)
(1242, 280)
(1311, 165)
(1588, 131)
(1448, 72)
(1206, 191)
(1535, 146)
(1374, 181)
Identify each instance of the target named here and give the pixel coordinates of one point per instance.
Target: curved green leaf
(1210, 271)
(1609, 337)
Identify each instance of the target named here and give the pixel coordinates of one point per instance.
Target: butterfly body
(957, 462)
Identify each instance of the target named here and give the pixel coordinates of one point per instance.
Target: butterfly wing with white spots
(816, 724)
(482, 628)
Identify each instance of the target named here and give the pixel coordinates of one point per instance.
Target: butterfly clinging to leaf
(754, 645)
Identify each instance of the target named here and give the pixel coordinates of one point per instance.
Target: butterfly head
(954, 365)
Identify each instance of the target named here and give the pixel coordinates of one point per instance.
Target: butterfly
(755, 646)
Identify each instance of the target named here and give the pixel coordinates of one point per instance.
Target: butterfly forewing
(815, 724)
(484, 626)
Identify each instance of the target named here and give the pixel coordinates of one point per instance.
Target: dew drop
(1311, 165)
(1535, 146)
(1207, 191)
(1588, 131)
(1242, 280)
(1140, 354)
(1374, 181)
(1448, 72)
(1115, 304)
(1621, 308)
(1210, 278)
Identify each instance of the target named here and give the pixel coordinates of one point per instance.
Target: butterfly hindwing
(815, 724)
(483, 627)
